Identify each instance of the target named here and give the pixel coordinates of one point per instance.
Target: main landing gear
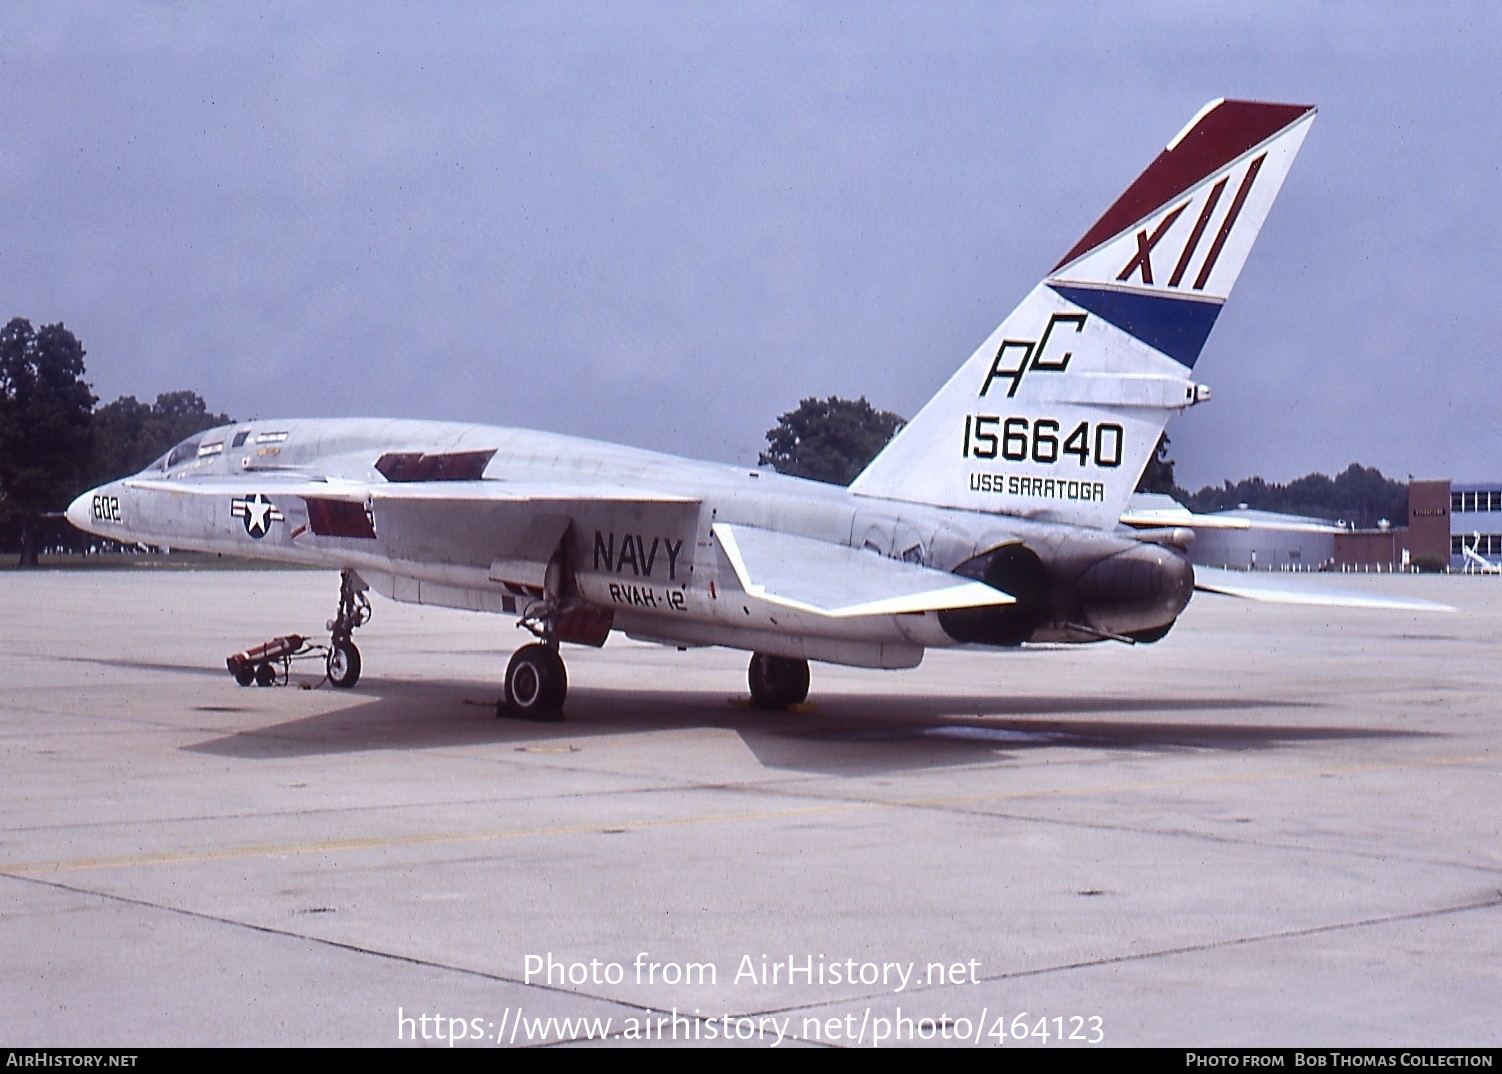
(778, 682)
(536, 680)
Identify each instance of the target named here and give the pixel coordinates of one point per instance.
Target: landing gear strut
(354, 611)
(778, 682)
(536, 680)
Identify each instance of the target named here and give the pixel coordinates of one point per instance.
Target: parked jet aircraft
(990, 520)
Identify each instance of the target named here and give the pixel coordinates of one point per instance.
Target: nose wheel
(343, 664)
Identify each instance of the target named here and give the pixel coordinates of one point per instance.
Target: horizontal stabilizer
(1156, 517)
(1277, 588)
(840, 582)
(1153, 510)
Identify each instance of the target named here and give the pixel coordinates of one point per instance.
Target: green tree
(1358, 494)
(829, 440)
(128, 434)
(45, 425)
(1158, 474)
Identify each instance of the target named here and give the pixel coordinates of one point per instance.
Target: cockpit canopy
(184, 452)
(200, 447)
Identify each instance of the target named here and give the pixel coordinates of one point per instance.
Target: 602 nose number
(1017, 440)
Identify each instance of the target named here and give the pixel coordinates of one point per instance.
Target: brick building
(1431, 536)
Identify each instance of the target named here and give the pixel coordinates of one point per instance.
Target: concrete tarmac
(1278, 826)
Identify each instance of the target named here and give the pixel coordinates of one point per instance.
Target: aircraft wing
(1279, 588)
(839, 582)
(519, 524)
(489, 491)
(511, 527)
(520, 491)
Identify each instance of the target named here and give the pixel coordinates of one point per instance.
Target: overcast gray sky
(665, 223)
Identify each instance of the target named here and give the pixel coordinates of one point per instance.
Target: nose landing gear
(343, 664)
(270, 664)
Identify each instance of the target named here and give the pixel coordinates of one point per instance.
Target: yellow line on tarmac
(268, 850)
(382, 842)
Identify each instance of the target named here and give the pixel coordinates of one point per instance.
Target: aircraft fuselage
(650, 567)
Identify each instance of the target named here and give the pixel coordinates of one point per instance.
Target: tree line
(1359, 495)
(56, 442)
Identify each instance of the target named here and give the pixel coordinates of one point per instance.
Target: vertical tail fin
(1055, 415)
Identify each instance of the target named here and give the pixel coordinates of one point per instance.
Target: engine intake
(1014, 569)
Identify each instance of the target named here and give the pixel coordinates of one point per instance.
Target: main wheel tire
(344, 664)
(265, 675)
(778, 681)
(536, 682)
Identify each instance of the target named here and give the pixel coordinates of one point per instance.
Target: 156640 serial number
(989, 436)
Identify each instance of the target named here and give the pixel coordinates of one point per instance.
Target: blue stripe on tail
(1177, 327)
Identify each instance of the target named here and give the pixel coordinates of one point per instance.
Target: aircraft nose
(81, 511)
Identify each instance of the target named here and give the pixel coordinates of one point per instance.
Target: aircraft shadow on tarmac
(145, 665)
(838, 735)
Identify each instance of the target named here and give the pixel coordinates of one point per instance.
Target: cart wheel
(265, 675)
(245, 674)
(344, 664)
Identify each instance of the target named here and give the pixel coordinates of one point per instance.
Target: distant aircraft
(1475, 562)
(992, 519)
